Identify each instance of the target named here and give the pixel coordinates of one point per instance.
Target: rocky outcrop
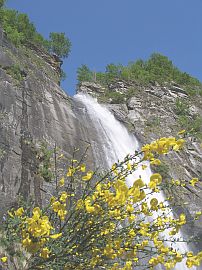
(33, 108)
(93, 89)
(154, 111)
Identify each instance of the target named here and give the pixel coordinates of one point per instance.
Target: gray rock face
(91, 88)
(33, 108)
(134, 103)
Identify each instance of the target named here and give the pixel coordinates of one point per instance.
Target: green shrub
(163, 169)
(157, 68)
(153, 121)
(181, 107)
(132, 92)
(20, 31)
(15, 72)
(116, 97)
(45, 155)
(84, 74)
(192, 125)
(59, 44)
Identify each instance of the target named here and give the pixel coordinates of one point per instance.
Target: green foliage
(157, 68)
(84, 74)
(15, 72)
(63, 75)
(132, 92)
(59, 44)
(181, 107)
(44, 156)
(115, 97)
(153, 121)
(194, 91)
(192, 125)
(113, 72)
(20, 30)
(163, 169)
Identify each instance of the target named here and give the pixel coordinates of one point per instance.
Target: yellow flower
(89, 208)
(181, 132)
(155, 180)
(10, 214)
(179, 144)
(155, 162)
(129, 167)
(131, 218)
(115, 266)
(60, 209)
(80, 204)
(26, 242)
(190, 254)
(128, 266)
(161, 146)
(62, 182)
(132, 233)
(45, 253)
(182, 219)
(129, 208)
(88, 176)
(70, 171)
(144, 167)
(178, 257)
(169, 265)
(19, 212)
(193, 261)
(52, 200)
(83, 167)
(63, 196)
(197, 215)
(138, 183)
(4, 259)
(55, 236)
(36, 213)
(193, 181)
(154, 204)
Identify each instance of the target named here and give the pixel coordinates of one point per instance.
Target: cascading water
(116, 144)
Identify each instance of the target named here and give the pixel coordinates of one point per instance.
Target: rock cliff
(33, 109)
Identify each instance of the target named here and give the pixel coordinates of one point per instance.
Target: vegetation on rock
(94, 221)
(59, 44)
(20, 30)
(157, 68)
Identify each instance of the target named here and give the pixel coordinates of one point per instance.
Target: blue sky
(119, 31)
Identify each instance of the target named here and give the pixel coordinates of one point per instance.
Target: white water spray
(117, 143)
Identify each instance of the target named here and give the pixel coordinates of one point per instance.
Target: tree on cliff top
(21, 31)
(59, 44)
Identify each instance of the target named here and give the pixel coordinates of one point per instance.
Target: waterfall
(116, 144)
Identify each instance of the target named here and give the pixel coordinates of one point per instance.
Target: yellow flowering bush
(96, 221)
